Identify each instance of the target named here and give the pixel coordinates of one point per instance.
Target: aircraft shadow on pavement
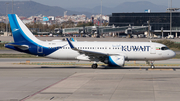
(102, 67)
(106, 67)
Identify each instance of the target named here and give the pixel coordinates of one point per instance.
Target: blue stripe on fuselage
(33, 49)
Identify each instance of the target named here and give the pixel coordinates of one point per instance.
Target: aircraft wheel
(94, 66)
(152, 66)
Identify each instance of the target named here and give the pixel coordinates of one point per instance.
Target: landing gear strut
(152, 65)
(94, 66)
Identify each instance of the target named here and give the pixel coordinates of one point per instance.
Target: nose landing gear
(152, 65)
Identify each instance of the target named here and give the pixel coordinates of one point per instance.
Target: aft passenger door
(39, 49)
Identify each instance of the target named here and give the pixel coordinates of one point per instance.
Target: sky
(94, 3)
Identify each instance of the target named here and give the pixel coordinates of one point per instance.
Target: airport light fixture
(101, 13)
(171, 19)
(6, 15)
(171, 10)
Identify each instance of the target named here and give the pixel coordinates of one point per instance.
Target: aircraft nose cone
(172, 54)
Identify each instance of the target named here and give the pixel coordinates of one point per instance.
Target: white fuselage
(141, 51)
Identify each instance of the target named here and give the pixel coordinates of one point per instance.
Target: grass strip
(17, 56)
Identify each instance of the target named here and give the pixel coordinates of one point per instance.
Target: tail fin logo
(14, 30)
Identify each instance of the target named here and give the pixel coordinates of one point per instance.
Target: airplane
(111, 53)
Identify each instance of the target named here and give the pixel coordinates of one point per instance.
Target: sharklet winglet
(70, 44)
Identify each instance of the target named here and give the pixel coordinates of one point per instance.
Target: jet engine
(115, 61)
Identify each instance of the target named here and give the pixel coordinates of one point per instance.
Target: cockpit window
(164, 48)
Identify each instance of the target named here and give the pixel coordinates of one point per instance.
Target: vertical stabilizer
(21, 33)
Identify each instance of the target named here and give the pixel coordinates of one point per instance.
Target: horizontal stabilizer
(23, 47)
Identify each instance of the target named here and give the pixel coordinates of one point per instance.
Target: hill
(29, 8)
(130, 7)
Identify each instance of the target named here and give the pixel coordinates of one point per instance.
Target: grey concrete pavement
(69, 83)
(114, 85)
(16, 84)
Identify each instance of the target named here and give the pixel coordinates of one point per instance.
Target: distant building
(157, 21)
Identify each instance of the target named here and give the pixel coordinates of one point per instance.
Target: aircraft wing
(91, 54)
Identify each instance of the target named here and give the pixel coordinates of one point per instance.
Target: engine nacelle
(116, 60)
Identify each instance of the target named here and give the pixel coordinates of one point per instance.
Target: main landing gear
(94, 66)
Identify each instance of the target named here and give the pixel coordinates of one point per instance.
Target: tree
(68, 24)
(2, 26)
(81, 24)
